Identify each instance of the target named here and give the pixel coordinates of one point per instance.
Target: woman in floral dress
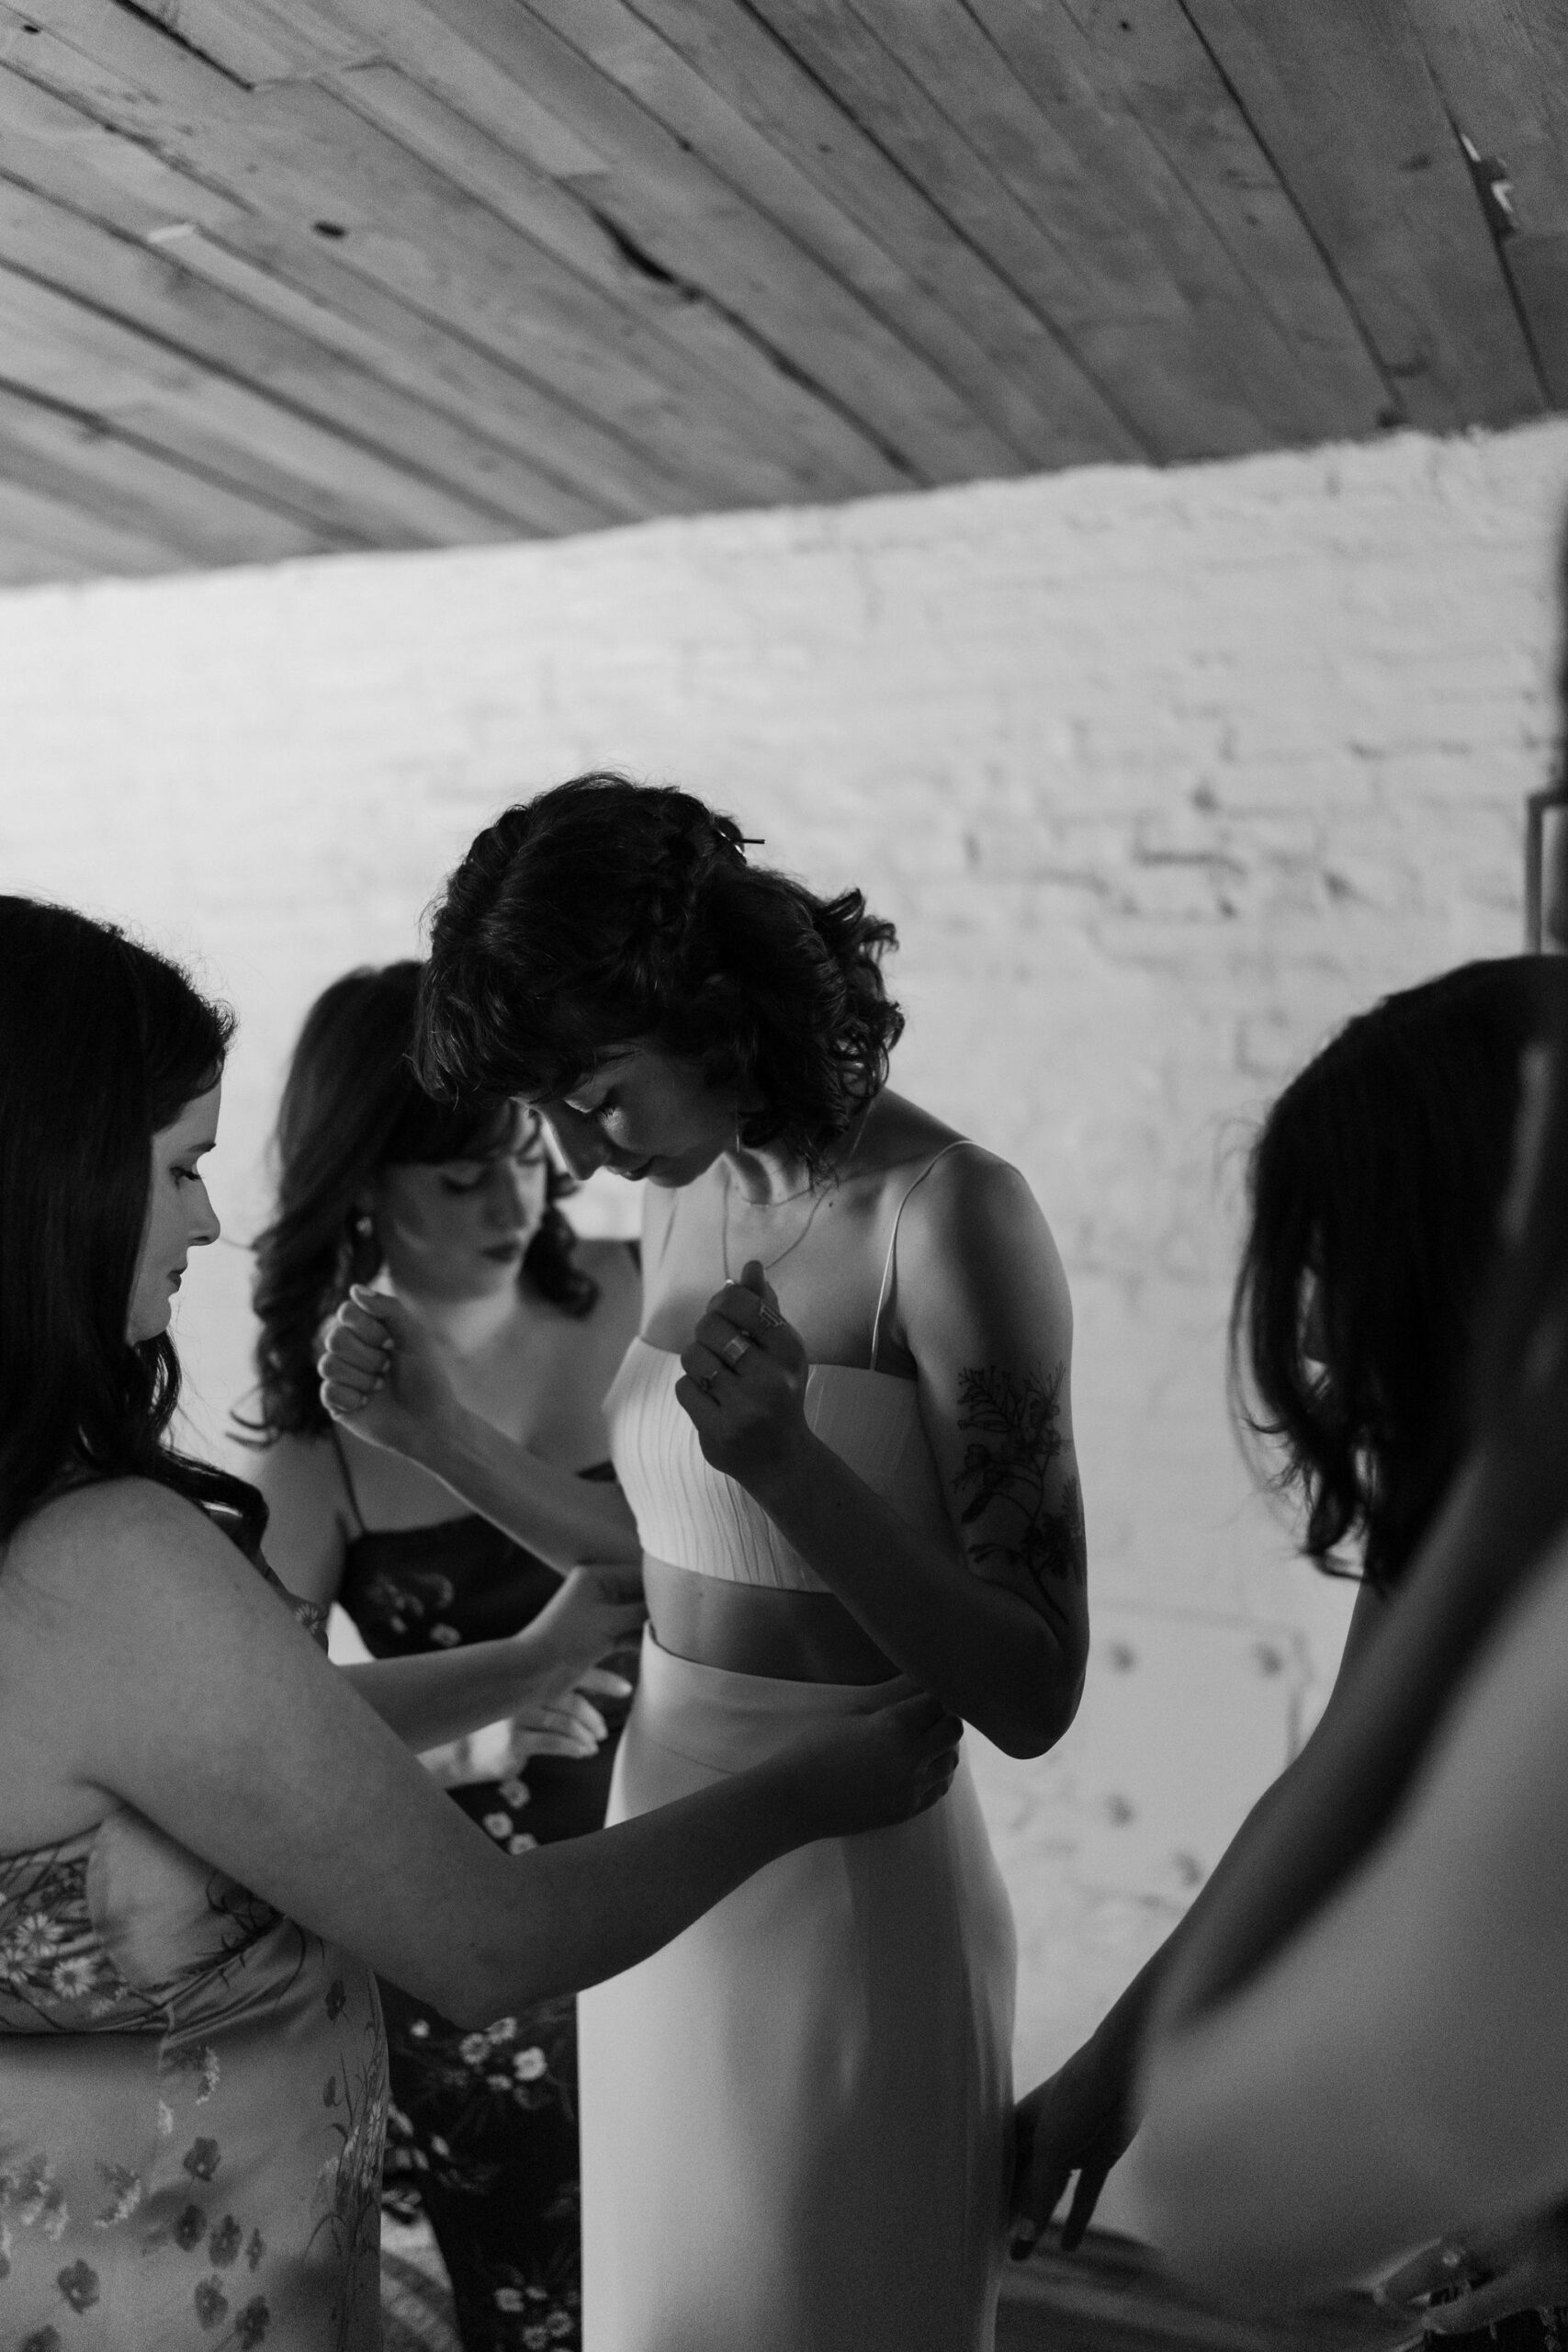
(210, 1841)
(453, 1207)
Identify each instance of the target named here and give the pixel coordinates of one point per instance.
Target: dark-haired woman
(844, 1431)
(1375, 1189)
(454, 1208)
(209, 1838)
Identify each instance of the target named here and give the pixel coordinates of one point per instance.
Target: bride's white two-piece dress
(795, 2117)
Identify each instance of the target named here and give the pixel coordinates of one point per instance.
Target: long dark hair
(606, 910)
(103, 1043)
(352, 1104)
(1377, 1178)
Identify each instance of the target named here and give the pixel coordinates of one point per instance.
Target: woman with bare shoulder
(211, 1842)
(844, 1431)
(455, 1208)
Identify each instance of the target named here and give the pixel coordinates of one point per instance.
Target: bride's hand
(744, 1384)
(381, 1376)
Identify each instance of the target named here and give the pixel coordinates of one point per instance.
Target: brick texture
(1161, 774)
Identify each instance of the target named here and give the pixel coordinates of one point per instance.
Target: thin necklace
(769, 1263)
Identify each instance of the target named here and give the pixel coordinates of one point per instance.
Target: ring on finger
(704, 1381)
(768, 1316)
(733, 1350)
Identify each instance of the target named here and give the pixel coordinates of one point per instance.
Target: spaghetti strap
(884, 1295)
(347, 1479)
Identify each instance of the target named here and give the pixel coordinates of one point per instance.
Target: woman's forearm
(1340, 1792)
(440, 1695)
(995, 1661)
(589, 1907)
(565, 1519)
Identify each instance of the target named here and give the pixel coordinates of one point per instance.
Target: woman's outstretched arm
(182, 1686)
(1082, 2119)
(1398, 2070)
(992, 1612)
(381, 1377)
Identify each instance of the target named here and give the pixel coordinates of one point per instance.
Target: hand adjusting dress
(482, 2132)
(795, 2116)
(192, 2100)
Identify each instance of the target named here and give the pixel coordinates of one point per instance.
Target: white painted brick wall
(1161, 774)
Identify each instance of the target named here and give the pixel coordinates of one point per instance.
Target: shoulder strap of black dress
(347, 1478)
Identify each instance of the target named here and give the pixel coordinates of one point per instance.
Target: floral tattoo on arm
(1015, 1440)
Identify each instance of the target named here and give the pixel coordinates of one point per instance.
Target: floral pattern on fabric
(482, 2133)
(167, 2046)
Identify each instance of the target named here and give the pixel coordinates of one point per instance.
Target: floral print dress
(192, 2103)
(483, 2132)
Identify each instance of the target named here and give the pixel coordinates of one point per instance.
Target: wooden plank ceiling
(284, 276)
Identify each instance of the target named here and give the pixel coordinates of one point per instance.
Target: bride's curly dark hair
(352, 1104)
(606, 910)
(1376, 1183)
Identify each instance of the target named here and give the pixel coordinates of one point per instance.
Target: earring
(364, 1226)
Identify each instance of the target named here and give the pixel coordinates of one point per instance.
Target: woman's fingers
(369, 1316)
(1519, 2289)
(603, 1683)
(346, 1352)
(341, 1401)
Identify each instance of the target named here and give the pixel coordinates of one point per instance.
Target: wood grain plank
(29, 562)
(84, 539)
(1129, 86)
(846, 459)
(722, 84)
(297, 153)
(82, 459)
(50, 144)
(86, 358)
(1502, 73)
(1342, 99)
(257, 40)
(411, 229)
(695, 224)
(1022, 151)
(150, 290)
(55, 148)
(1538, 270)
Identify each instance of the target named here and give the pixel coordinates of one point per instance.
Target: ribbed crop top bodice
(692, 1515)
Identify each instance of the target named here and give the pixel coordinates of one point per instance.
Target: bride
(843, 1434)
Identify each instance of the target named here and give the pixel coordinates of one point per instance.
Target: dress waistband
(732, 1719)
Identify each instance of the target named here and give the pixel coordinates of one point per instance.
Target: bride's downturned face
(180, 1218)
(643, 1113)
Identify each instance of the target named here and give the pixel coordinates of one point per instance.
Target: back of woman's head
(103, 1043)
(351, 1105)
(606, 911)
(1374, 1188)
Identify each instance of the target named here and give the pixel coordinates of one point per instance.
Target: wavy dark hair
(606, 910)
(1378, 1178)
(352, 1104)
(103, 1043)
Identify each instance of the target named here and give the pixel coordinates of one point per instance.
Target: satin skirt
(795, 2117)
